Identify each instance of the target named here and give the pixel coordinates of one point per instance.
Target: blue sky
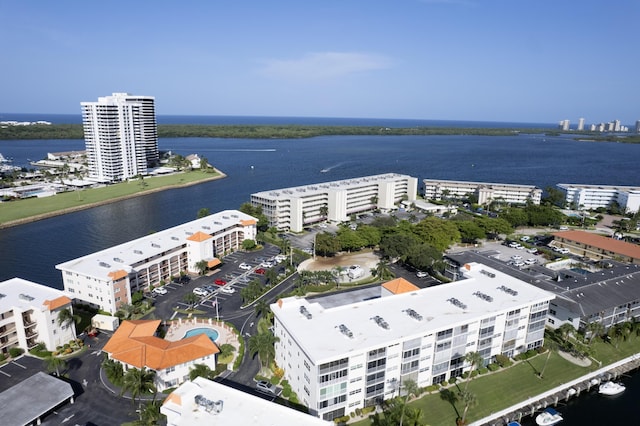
(494, 60)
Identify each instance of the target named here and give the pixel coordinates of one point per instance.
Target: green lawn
(22, 209)
(504, 388)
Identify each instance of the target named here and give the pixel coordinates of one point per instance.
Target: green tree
(261, 307)
(475, 360)
(248, 244)
(470, 231)
(226, 350)
(203, 212)
(113, 370)
(436, 232)
(150, 414)
(262, 344)
(410, 388)
(554, 197)
(382, 271)
(202, 266)
(551, 346)
(138, 382)
(55, 364)
(190, 299)
(595, 329)
(66, 317)
(327, 244)
(324, 212)
(469, 399)
(200, 370)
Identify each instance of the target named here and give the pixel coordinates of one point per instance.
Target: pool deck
(178, 328)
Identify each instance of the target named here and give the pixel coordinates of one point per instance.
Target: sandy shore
(30, 219)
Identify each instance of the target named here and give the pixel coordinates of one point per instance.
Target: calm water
(31, 251)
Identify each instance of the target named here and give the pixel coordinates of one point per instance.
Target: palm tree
(595, 329)
(263, 345)
(66, 317)
(261, 307)
(138, 382)
(202, 266)
(475, 360)
(469, 399)
(551, 346)
(190, 299)
(411, 389)
(55, 364)
(200, 370)
(324, 212)
(382, 270)
(150, 414)
(113, 370)
(226, 350)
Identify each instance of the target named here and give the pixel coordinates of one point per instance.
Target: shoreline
(30, 219)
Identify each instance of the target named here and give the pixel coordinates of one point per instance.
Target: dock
(551, 398)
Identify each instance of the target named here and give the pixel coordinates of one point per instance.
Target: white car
(244, 266)
(267, 387)
(323, 225)
(227, 290)
(421, 274)
(160, 290)
(516, 257)
(200, 292)
(525, 238)
(531, 261)
(519, 264)
(266, 264)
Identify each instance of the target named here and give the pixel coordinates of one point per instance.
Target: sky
(526, 61)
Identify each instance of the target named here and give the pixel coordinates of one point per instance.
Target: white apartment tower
(120, 136)
(581, 124)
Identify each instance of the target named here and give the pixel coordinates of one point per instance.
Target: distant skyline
(480, 60)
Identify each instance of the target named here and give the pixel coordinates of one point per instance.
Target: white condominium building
(485, 192)
(594, 196)
(120, 135)
(107, 278)
(339, 355)
(294, 208)
(29, 315)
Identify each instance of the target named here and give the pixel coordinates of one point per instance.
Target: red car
(220, 281)
(260, 271)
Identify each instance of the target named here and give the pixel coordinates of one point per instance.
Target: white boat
(611, 388)
(548, 417)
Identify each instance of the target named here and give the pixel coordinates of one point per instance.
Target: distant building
(590, 197)
(107, 278)
(581, 124)
(597, 247)
(296, 207)
(120, 135)
(564, 125)
(483, 191)
(638, 126)
(135, 345)
(342, 354)
(205, 402)
(29, 315)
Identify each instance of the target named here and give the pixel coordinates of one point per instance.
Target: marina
(532, 407)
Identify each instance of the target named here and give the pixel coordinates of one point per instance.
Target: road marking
(6, 374)
(66, 419)
(19, 365)
(96, 353)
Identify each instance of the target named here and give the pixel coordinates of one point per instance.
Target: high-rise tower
(120, 136)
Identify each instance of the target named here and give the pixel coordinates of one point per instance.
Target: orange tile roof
(247, 222)
(213, 262)
(173, 397)
(116, 275)
(606, 243)
(399, 285)
(134, 343)
(199, 236)
(56, 303)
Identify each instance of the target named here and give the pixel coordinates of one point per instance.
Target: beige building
(296, 207)
(29, 315)
(106, 279)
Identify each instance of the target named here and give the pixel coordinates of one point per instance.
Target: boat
(611, 388)
(514, 423)
(548, 417)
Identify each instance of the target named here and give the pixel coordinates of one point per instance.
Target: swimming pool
(210, 332)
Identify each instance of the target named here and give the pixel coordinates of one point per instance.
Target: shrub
(220, 368)
(286, 392)
(503, 361)
(432, 388)
(367, 410)
(359, 411)
(493, 367)
(452, 380)
(2, 357)
(15, 352)
(482, 370)
(474, 373)
(341, 420)
(465, 374)
(275, 380)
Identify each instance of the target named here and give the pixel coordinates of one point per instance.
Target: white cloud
(324, 66)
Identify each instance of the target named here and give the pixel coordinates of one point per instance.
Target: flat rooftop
(17, 292)
(319, 188)
(328, 330)
(101, 263)
(222, 405)
(32, 398)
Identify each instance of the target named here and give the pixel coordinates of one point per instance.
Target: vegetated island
(75, 131)
(19, 212)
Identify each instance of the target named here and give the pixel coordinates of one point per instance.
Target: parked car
(160, 290)
(267, 387)
(200, 292)
(244, 266)
(227, 290)
(516, 257)
(260, 271)
(279, 258)
(531, 261)
(421, 274)
(220, 281)
(266, 264)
